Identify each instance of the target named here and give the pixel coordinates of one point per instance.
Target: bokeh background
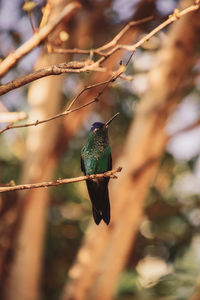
(151, 250)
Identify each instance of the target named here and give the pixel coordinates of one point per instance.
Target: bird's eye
(95, 130)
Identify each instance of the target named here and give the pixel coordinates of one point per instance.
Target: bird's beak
(109, 121)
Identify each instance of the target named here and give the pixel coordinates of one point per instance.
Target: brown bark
(104, 252)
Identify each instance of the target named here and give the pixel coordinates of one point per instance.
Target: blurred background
(50, 247)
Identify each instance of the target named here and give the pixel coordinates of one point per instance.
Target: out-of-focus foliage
(164, 263)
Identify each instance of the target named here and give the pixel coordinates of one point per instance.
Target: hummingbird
(96, 158)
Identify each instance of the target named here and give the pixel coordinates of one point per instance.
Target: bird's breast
(96, 162)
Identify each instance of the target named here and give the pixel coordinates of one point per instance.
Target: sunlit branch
(37, 122)
(99, 50)
(177, 14)
(85, 89)
(89, 65)
(36, 39)
(172, 18)
(31, 21)
(68, 110)
(95, 66)
(71, 67)
(52, 49)
(59, 181)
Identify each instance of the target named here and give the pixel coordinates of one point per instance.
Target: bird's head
(99, 131)
(99, 126)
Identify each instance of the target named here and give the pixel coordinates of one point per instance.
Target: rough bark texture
(105, 249)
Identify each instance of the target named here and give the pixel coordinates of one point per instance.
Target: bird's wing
(110, 162)
(98, 192)
(82, 165)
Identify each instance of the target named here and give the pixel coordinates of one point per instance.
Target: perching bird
(96, 158)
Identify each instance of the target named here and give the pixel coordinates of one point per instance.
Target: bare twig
(88, 65)
(104, 47)
(71, 67)
(52, 49)
(122, 32)
(37, 122)
(59, 181)
(95, 66)
(36, 39)
(68, 109)
(66, 112)
(177, 14)
(172, 18)
(85, 89)
(31, 21)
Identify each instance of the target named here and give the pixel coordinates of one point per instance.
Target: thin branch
(177, 14)
(37, 122)
(71, 67)
(85, 89)
(36, 39)
(172, 18)
(88, 65)
(104, 47)
(52, 49)
(59, 181)
(31, 21)
(69, 110)
(122, 32)
(95, 66)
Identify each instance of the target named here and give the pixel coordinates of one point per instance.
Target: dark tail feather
(106, 218)
(98, 192)
(106, 211)
(97, 216)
